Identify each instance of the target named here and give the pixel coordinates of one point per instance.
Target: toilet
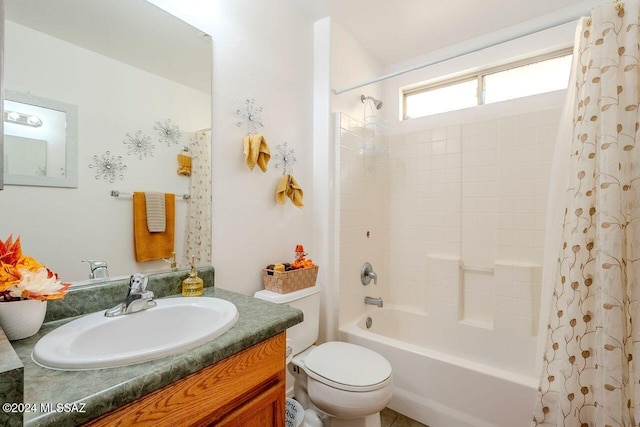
(339, 384)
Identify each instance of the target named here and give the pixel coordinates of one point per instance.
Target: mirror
(125, 65)
(1, 92)
(40, 141)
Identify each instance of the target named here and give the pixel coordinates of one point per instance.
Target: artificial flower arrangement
(22, 277)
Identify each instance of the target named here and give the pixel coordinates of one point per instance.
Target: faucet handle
(98, 269)
(367, 273)
(172, 261)
(138, 283)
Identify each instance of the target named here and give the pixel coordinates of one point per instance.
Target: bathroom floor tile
(390, 418)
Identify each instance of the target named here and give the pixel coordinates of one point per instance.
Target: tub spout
(373, 301)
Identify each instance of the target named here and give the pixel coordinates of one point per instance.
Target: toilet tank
(304, 334)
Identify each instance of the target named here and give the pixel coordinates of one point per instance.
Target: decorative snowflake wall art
(168, 132)
(286, 158)
(108, 166)
(252, 116)
(139, 145)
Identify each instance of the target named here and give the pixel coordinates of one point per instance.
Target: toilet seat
(348, 367)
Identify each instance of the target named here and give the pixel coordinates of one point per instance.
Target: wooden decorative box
(289, 281)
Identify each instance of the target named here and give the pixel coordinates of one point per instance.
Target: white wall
(62, 226)
(360, 189)
(351, 63)
(262, 51)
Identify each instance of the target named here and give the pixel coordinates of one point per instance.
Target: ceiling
(394, 31)
(132, 31)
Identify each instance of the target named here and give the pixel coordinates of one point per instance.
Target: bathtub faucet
(373, 301)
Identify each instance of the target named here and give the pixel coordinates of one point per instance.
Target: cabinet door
(265, 410)
(252, 379)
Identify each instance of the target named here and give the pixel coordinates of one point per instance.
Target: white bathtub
(441, 389)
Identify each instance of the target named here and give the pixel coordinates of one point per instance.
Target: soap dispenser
(192, 286)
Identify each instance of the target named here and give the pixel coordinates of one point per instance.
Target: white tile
(487, 205)
(470, 144)
(454, 131)
(454, 175)
(488, 157)
(489, 126)
(454, 145)
(503, 305)
(548, 117)
(425, 136)
(478, 306)
(453, 160)
(439, 147)
(469, 159)
(439, 134)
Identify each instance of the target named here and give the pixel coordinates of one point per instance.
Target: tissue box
(289, 281)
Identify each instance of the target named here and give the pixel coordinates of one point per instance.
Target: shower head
(377, 103)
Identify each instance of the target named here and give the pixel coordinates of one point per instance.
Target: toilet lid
(347, 364)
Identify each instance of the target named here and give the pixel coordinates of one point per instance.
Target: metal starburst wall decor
(108, 167)
(286, 158)
(139, 145)
(168, 132)
(251, 116)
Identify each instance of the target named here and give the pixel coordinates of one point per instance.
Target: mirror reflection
(125, 65)
(40, 141)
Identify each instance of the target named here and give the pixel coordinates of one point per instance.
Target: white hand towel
(156, 212)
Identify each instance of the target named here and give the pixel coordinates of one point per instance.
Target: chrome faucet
(367, 273)
(98, 269)
(138, 297)
(373, 301)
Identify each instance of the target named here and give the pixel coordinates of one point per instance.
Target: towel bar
(116, 193)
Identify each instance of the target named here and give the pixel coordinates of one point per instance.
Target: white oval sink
(174, 325)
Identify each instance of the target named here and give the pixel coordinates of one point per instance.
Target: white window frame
(479, 76)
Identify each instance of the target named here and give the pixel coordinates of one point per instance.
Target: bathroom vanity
(236, 379)
(245, 389)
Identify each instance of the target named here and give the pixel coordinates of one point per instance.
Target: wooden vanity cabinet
(246, 389)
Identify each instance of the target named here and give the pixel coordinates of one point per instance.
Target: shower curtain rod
(458, 54)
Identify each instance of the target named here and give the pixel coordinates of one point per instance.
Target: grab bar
(486, 270)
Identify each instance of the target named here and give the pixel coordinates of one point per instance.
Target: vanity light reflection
(22, 119)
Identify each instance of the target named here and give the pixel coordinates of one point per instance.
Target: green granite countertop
(96, 392)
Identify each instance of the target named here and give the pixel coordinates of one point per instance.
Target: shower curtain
(590, 372)
(197, 240)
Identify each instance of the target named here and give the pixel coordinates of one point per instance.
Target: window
(516, 80)
(441, 99)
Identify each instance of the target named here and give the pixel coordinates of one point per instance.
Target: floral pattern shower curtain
(197, 240)
(592, 359)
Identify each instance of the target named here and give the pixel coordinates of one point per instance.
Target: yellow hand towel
(288, 186)
(149, 246)
(256, 151)
(184, 165)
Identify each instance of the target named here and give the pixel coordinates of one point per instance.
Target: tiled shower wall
(452, 219)
(362, 189)
(472, 196)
